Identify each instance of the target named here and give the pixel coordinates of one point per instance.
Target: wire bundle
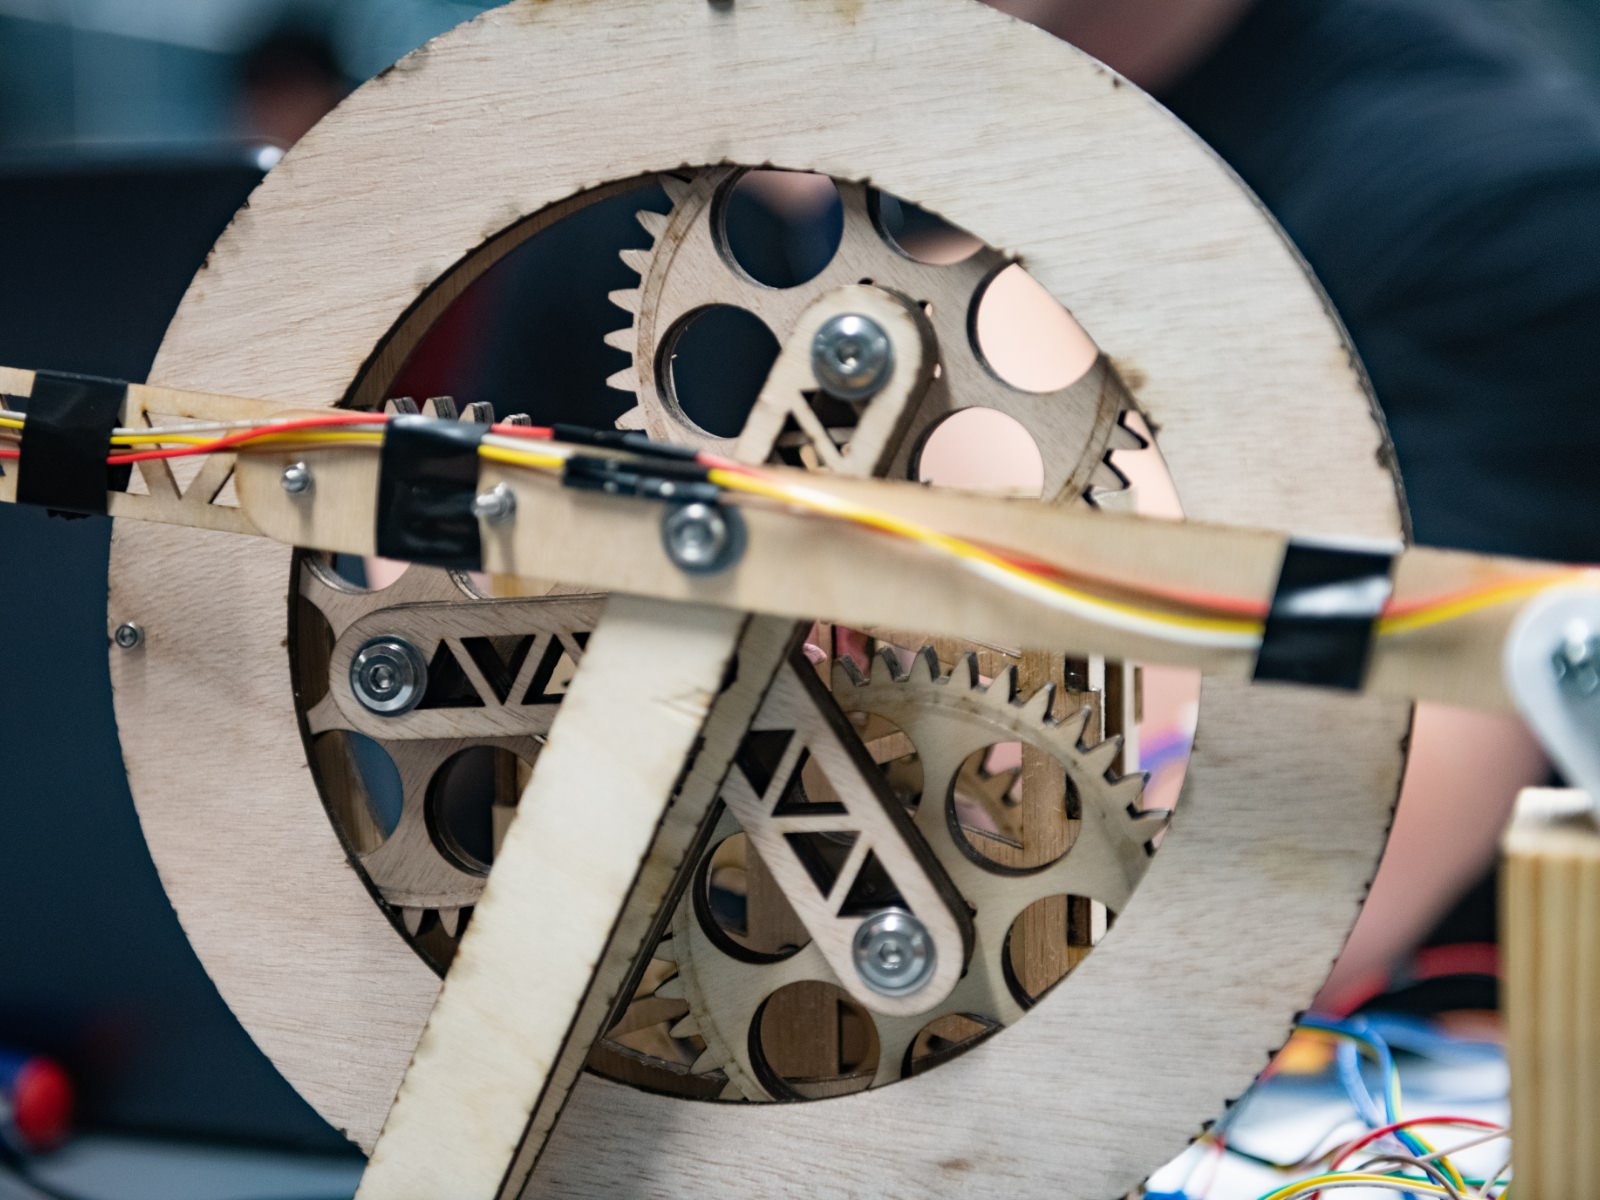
(1167, 614)
(1397, 1158)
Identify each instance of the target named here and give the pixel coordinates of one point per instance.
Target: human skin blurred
(1465, 768)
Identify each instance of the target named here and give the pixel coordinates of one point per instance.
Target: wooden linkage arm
(804, 567)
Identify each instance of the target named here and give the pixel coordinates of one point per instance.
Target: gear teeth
(1125, 793)
(625, 339)
(708, 1061)
(627, 299)
(1123, 438)
(627, 380)
(655, 224)
(1039, 706)
(688, 1027)
(637, 261)
(450, 918)
(1098, 760)
(885, 667)
(671, 989)
(928, 660)
(1073, 725)
(846, 674)
(676, 187)
(1005, 686)
(731, 1091)
(1107, 478)
(412, 919)
(964, 673)
(665, 951)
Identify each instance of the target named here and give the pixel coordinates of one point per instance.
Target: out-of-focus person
(288, 80)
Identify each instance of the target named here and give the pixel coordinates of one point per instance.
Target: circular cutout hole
(742, 908)
(1048, 940)
(468, 800)
(810, 1041)
(919, 234)
(781, 228)
(982, 450)
(987, 815)
(717, 358)
(360, 785)
(1026, 338)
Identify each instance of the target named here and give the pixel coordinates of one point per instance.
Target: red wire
(1385, 1130)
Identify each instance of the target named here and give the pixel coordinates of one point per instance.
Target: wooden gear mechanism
(726, 872)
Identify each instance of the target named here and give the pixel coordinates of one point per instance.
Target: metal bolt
(297, 479)
(1577, 659)
(388, 676)
(129, 636)
(893, 953)
(496, 505)
(702, 539)
(852, 357)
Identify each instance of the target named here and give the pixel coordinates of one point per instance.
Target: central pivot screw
(893, 953)
(388, 676)
(852, 357)
(701, 538)
(1577, 660)
(297, 479)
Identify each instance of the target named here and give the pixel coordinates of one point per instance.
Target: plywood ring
(1262, 414)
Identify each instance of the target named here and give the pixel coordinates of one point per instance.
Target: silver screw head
(129, 636)
(388, 676)
(496, 505)
(893, 953)
(1576, 660)
(701, 538)
(297, 479)
(852, 357)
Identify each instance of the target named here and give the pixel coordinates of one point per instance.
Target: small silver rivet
(1576, 660)
(297, 479)
(701, 538)
(498, 504)
(893, 953)
(852, 357)
(129, 636)
(388, 676)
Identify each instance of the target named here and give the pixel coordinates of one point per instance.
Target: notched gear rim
(1076, 428)
(725, 993)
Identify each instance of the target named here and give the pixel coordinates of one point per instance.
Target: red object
(41, 1104)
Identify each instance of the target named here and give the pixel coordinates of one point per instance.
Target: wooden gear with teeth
(649, 733)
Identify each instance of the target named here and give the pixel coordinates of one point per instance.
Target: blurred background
(130, 130)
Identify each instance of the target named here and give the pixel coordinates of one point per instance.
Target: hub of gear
(691, 268)
(940, 720)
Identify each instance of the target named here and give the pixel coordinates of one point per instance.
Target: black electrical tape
(427, 481)
(65, 441)
(639, 443)
(1319, 629)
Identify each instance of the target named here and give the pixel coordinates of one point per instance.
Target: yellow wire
(1397, 1182)
(1433, 615)
(959, 548)
(1489, 597)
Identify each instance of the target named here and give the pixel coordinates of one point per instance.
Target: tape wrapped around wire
(427, 481)
(1324, 615)
(62, 464)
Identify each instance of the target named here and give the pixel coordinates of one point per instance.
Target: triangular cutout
(761, 753)
(797, 800)
(556, 668)
(500, 660)
(823, 855)
(872, 890)
(448, 685)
